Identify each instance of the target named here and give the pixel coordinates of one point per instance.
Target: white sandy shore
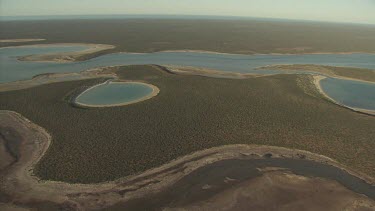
(155, 92)
(20, 183)
(318, 78)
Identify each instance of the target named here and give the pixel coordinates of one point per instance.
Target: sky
(354, 11)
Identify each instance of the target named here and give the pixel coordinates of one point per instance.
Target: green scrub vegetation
(190, 113)
(230, 36)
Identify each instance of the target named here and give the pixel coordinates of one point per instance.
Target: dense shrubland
(230, 36)
(189, 114)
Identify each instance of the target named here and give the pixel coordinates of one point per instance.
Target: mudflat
(234, 169)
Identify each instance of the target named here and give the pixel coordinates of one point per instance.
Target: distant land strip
(20, 40)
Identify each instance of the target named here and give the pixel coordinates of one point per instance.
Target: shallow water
(11, 69)
(354, 94)
(110, 93)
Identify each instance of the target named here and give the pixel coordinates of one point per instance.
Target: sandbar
(66, 56)
(189, 70)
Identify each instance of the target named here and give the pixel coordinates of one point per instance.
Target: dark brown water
(189, 189)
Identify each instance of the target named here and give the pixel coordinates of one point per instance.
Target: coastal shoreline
(20, 183)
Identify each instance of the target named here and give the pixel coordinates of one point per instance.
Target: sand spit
(316, 81)
(189, 70)
(20, 40)
(23, 188)
(155, 91)
(319, 69)
(66, 56)
(48, 78)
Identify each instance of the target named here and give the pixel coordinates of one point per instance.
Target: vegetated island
(190, 113)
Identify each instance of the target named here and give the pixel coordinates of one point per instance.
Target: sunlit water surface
(350, 93)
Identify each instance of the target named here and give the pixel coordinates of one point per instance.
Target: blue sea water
(354, 94)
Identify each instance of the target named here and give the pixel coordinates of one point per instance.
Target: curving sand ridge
(67, 56)
(22, 187)
(189, 70)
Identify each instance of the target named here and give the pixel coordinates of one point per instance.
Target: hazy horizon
(162, 16)
(344, 11)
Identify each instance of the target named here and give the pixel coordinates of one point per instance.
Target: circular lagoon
(116, 94)
(353, 94)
